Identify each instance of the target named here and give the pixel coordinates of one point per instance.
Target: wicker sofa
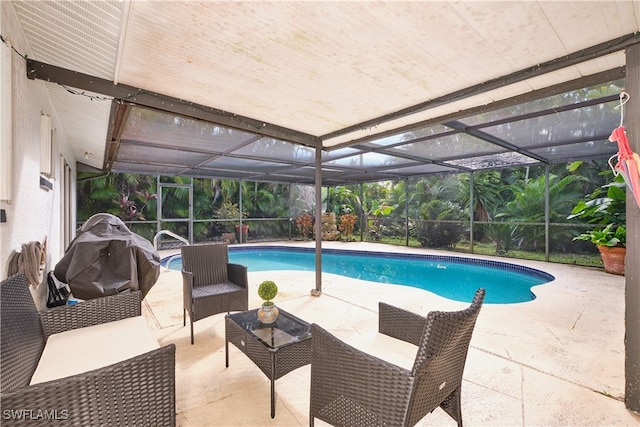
(77, 365)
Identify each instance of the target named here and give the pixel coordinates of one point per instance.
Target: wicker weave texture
(210, 284)
(209, 261)
(139, 391)
(22, 339)
(135, 392)
(350, 387)
(92, 312)
(441, 359)
(274, 363)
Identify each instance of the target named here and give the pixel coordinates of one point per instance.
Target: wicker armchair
(137, 391)
(210, 284)
(351, 387)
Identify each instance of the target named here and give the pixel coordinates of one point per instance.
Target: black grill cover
(106, 258)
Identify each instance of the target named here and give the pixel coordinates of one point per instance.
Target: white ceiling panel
(82, 36)
(591, 22)
(519, 32)
(88, 135)
(318, 67)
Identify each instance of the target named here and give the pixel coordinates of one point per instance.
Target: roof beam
(574, 58)
(590, 80)
(459, 126)
(123, 93)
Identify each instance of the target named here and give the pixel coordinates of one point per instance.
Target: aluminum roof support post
(406, 211)
(191, 212)
(318, 289)
(158, 206)
(632, 266)
(546, 212)
(240, 207)
(364, 222)
(290, 214)
(472, 209)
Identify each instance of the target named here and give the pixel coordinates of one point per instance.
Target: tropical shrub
(528, 205)
(130, 197)
(605, 205)
(608, 236)
(347, 225)
(304, 222)
(229, 211)
(505, 236)
(440, 224)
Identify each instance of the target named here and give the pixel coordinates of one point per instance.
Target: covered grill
(107, 258)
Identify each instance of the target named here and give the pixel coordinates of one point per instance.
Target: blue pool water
(451, 277)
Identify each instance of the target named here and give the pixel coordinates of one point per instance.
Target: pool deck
(555, 361)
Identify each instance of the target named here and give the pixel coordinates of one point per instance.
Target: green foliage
(605, 205)
(229, 211)
(508, 205)
(488, 193)
(130, 197)
(343, 199)
(374, 226)
(427, 189)
(608, 236)
(505, 236)
(267, 290)
(440, 224)
(528, 205)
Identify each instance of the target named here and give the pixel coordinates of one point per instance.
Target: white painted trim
(6, 123)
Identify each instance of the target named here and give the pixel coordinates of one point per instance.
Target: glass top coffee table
(289, 337)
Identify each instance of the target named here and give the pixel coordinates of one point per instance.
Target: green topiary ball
(267, 290)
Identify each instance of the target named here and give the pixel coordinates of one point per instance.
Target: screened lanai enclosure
(503, 182)
(430, 212)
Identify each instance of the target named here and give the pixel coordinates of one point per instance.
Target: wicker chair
(137, 391)
(211, 285)
(351, 387)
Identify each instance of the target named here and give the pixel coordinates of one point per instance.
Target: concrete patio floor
(555, 361)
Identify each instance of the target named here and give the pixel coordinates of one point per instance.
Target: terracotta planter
(613, 259)
(242, 236)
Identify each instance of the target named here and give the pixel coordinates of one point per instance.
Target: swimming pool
(451, 277)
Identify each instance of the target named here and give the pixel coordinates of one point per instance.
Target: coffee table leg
(226, 352)
(273, 385)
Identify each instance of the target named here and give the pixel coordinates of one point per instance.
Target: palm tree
(528, 204)
(488, 190)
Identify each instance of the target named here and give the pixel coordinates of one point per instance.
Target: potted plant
(612, 243)
(231, 211)
(606, 206)
(268, 312)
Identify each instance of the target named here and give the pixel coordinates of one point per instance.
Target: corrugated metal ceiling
(344, 72)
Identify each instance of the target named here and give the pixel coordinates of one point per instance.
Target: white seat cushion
(82, 350)
(392, 350)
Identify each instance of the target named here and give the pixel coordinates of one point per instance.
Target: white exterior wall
(33, 213)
